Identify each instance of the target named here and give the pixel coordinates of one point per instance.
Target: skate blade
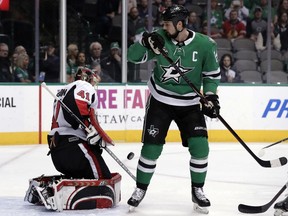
(199, 209)
(131, 208)
(279, 212)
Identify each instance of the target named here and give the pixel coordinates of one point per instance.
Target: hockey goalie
(85, 181)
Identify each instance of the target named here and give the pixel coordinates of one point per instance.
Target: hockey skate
(281, 208)
(201, 203)
(136, 198)
(32, 195)
(46, 195)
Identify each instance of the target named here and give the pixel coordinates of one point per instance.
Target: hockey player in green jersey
(172, 98)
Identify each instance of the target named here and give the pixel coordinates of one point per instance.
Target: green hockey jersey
(196, 57)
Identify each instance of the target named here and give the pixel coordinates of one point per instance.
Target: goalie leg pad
(102, 193)
(77, 194)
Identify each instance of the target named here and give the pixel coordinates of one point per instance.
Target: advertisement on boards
(255, 112)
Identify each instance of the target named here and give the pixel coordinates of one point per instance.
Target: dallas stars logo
(171, 73)
(153, 131)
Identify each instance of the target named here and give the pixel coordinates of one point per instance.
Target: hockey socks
(147, 162)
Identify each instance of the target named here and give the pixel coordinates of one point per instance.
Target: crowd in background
(231, 19)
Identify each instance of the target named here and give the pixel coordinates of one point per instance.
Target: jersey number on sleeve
(84, 95)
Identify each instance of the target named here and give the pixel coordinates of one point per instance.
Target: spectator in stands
(257, 26)
(143, 8)
(134, 22)
(106, 10)
(20, 49)
(95, 49)
(6, 73)
(217, 18)
(167, 3)
(157, 9)
(184, 3)
(112, 63)
(229, 74)
(281, 28)
(104, 77)
(50, 64)
(263, 4)
(247, 3)
(81, 60)
(145, 28)
(239, 7)
(21, 71)
(4, 50)
(72, 52)
(130, 3)
(233, 28)
(13, 60)
(194, 22)
(31, 68)
(282, 7)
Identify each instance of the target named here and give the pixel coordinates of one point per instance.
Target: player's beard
(173, 36)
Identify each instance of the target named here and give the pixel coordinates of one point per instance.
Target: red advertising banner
(4, 5)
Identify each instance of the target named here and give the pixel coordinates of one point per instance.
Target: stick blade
(260, 209)
(278, 162)
(272, 163)
(251, 209)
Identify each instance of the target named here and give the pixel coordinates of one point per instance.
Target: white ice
(233, 177)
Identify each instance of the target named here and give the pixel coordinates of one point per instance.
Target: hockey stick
(280, 141)
(272, 163)
(262, 151)
(104, 136)
(260, 209)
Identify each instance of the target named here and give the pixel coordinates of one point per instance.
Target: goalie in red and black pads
(172, 99)
(76, 154)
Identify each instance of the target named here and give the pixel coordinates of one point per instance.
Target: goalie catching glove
(211, 106)
(153, 41)
(94, 138)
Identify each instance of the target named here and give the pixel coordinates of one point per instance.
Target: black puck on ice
(130, 156)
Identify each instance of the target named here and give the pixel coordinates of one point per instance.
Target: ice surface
(233, 177)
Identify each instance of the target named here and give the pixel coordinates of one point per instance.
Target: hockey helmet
(87, 75)
(175, 13)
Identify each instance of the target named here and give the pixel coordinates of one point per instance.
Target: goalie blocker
(59, 193)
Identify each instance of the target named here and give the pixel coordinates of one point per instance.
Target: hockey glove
(153, 41)
(210, 107)
(93, 138)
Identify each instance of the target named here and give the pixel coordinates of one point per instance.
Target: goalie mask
(87, 75)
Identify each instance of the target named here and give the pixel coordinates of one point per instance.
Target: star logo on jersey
(171, 73)
(153, 131)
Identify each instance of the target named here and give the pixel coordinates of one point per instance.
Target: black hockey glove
(211, 108)
(153, 41)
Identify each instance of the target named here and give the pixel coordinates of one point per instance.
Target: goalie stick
(102, 133)
(271, 163)
(260, 209)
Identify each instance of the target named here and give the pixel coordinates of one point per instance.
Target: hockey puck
(261, 153)
(130, 156)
